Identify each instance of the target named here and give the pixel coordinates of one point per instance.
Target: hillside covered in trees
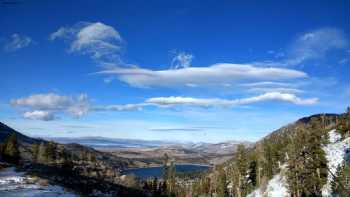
(80, 168)
(305, 158)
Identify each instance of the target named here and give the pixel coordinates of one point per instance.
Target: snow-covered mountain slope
(335, 154)
(276, 187)
(14, 184)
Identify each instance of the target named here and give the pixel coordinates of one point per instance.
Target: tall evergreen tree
(35, 151)
(341, 183)
(42, 153)
(307, 163)
(221, 189)
(11, 153)
(51, 152)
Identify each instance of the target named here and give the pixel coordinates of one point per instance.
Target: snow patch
(335, 154)
(276, 187)
(14, 184)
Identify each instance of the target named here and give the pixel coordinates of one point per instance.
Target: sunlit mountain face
(174, 98)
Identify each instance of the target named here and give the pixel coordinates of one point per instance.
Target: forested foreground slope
(305, 158)
(85, 170)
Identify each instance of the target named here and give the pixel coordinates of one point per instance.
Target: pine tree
(166, 167)
(242, 167)
(1, 151)
(35, 151)
(307, 165)
(221, 189)
(341, 183)
(269, 164)
(42, 153)
(169, 174)
(51, 152)
(11, 152)
(155, 186)
(172, 177)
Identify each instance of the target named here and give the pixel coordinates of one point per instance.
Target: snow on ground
(15, 184)
(335, 154)
(276, 187)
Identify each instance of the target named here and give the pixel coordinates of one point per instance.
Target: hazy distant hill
(115, 143)
(6, 131)
(109, 143)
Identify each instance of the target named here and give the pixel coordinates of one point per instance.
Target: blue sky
(171, 70)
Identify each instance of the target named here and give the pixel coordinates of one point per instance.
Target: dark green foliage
(156, 187)
(51, 153)
(35, 151)
(1, 151)
(307, 165)
(42, 154)
(341, 184)
(169, 175)
(343, 125)
(221, 188)
(10, 150)
(252, 172)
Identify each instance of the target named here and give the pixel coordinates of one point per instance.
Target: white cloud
(45, 106)
(95, 39)
(181, 60)
(39, 115)
(217, 74)
(48, 101)
(17, 42)
(271, 96)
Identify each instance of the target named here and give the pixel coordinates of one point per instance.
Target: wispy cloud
(181, 60)
(126, 107)
(315, 44)
(275, 89)
(47, 106)
(310, 46)
(17, 42)
(217, 74)
(267, 84)
(98, 40)
(210, 102)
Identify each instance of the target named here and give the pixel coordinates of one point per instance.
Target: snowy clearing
(14, 184)
(276, 187)
(335, 154)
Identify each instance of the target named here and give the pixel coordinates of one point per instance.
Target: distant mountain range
(115, 143)
(109, 143)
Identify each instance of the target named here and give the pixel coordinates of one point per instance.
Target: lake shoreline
(178, 164)
(150, 172)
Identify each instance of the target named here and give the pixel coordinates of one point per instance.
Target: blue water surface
(149, 172)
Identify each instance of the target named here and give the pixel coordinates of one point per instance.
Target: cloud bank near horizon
(47, 106)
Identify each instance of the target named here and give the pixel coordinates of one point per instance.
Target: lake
(144, 173)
